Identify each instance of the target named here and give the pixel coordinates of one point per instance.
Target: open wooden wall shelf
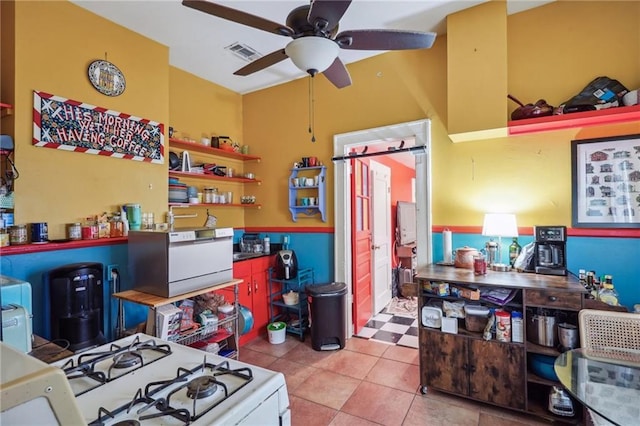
(616, 115)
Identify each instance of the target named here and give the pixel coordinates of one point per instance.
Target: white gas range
(142, 380)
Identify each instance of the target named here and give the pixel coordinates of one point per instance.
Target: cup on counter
(313, 161)
(206, 141)
(308, 182)
(245, 149)
(312, 201)
(305, 201)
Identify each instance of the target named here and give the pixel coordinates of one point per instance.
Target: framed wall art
(605, 174)
(70, 125)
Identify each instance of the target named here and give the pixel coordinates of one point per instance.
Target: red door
(361, 244)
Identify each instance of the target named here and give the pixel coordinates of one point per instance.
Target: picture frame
(605, 182)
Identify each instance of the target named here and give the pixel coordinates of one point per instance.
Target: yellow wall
(54, 44)
(530, 175)
(200, 109)
(62, 187)
(553, 52)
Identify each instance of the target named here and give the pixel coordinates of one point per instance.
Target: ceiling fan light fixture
(312, 54)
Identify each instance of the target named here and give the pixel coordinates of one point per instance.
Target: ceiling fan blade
(337, 74)
(384, 40)
(324, 15)
(238, 16)
(262, 63)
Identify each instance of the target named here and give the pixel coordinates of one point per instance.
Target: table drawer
(553, 299)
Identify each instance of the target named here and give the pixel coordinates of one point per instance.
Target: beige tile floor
(366, 383)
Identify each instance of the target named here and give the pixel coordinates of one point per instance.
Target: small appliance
(16, 327)
(560, 402)
(76, 304)
(286, 265)
(550, 250)
(174, 262)
(20, 321)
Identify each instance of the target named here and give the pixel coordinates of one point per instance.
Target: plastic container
(517, 327)
(475, 317)
(503, 326)
(277, 332)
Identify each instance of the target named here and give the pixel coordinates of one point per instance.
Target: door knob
(374, 247)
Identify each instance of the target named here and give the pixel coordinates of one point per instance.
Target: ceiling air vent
(243, 51)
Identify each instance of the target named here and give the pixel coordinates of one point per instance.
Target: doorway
(344, 143)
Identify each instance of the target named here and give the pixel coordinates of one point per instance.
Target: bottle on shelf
(607, 293)
(514, 251)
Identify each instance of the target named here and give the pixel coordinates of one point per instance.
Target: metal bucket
(541, 330)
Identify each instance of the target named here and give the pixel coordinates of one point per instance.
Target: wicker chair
(607, 335)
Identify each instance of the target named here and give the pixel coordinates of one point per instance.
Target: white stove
(142, 380)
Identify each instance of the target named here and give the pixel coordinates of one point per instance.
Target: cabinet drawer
(553, 299)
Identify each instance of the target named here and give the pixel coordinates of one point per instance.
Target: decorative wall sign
(70, 125)
(606, 182)
(106, 78)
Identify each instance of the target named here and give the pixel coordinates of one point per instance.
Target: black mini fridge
(76, 309)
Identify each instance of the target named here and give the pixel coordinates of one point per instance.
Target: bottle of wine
(514, 251)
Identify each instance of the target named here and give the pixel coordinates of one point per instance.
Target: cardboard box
(466, 293)
(168, 318)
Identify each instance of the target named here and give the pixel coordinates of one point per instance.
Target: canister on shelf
(503, 326)
(74, 231)
(18, 235)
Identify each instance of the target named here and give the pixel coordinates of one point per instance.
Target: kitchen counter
(47, 351)
(520, 280)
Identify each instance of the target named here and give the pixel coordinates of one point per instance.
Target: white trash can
(277, 332)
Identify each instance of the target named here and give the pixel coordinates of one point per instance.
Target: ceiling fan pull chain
(312, 123)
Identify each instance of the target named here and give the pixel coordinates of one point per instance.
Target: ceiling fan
(316, 41)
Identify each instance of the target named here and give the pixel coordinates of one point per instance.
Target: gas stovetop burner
(202, 387)
(127, 359)
(127, 423)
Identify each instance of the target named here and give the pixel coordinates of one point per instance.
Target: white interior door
(381, 235)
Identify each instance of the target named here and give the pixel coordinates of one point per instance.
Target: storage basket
(610, 335)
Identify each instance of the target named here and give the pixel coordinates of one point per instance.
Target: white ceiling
(197, 40)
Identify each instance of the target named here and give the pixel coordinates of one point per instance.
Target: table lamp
(500, 225)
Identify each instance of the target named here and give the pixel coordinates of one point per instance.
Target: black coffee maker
(550, 250)
(286, 265)
(76, 304)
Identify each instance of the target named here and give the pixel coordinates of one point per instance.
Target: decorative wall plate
(106, 78)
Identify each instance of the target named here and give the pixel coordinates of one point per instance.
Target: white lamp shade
(500, 225)
(312, 54)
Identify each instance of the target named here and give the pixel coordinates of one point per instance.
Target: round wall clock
(106, 78)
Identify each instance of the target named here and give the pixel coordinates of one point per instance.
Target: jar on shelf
(117, 226)
(74, 231)
(18, 235)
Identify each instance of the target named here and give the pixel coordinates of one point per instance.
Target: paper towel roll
(446, 246)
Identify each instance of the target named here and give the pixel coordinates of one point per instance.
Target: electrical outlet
(110, 269)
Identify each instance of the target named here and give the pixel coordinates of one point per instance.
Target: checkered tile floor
(391, 329)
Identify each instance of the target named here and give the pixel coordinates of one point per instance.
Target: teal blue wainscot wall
(33, 267)
(313, 250)
(619, 257)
